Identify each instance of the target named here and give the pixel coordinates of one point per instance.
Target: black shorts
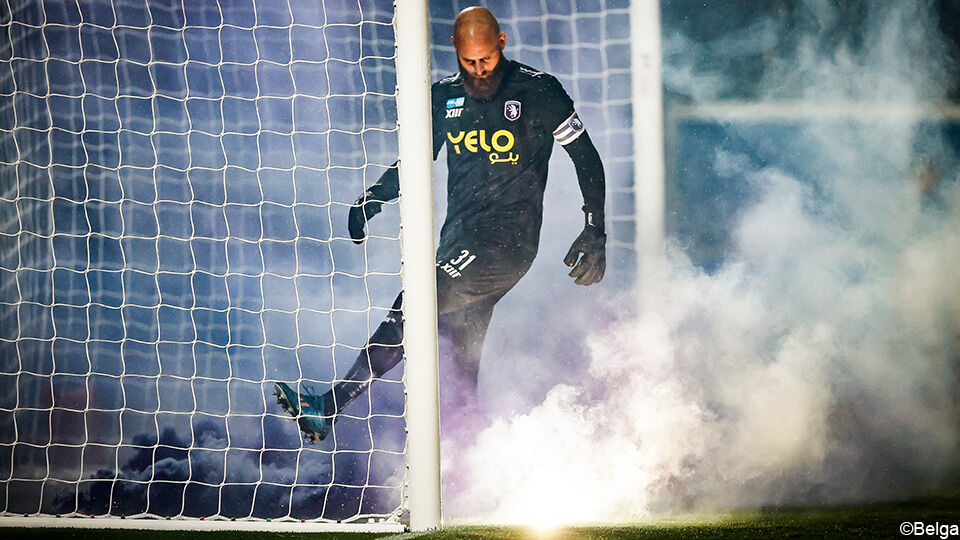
(470, 270)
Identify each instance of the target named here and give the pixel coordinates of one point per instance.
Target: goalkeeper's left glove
(362, 210)
(591, 244)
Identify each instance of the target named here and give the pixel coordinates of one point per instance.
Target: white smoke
(817, 365)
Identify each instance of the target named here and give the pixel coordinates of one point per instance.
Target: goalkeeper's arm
(587, 255)
(387, 188)
(368, 204)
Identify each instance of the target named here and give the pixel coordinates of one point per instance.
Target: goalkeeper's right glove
(362, 210)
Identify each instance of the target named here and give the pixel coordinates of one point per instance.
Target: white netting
(175, 178)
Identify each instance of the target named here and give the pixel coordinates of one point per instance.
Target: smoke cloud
(815, 363)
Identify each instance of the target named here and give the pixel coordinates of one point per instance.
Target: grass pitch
(873, 521)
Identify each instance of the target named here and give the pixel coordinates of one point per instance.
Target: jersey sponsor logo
(498, 145)
(454, 107)
(568, 130)
(511, 110)
(510, 158)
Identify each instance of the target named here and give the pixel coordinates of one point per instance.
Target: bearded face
(484, 86)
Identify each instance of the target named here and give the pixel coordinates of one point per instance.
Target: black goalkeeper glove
(362, 210)
(591, 244)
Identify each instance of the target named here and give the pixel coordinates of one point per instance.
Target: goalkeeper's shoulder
(445, 88)
(447, 83)
(525, 72)
(537, 79)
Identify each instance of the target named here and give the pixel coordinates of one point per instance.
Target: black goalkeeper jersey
(497, 155)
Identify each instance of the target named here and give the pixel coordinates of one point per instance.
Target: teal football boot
(314, 413)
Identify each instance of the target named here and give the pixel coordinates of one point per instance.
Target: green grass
(876, 521)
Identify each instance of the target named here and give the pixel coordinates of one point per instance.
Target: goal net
(175, 184)
(175, 179)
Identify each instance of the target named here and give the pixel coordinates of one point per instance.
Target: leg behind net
(383, 352)
(315, 413)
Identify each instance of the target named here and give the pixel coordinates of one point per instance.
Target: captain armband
(569, 130)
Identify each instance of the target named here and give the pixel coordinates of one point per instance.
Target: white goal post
(419, 270)
(648, 150)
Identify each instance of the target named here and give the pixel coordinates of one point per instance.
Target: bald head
(478, 41)
(475, 23)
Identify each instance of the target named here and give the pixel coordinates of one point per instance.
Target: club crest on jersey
(511, 110)
(454, 107)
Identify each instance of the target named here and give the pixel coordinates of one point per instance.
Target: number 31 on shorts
(463, 260)
(455, 266)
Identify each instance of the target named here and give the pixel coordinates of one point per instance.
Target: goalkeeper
(499, 120)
